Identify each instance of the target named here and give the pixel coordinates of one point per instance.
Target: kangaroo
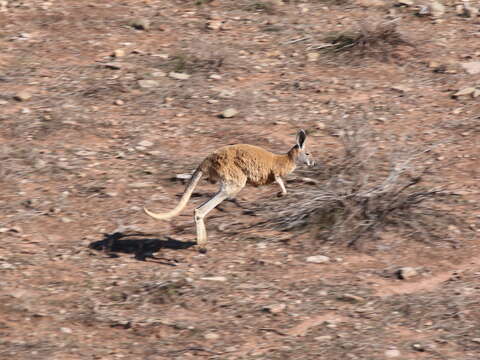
(234, 166)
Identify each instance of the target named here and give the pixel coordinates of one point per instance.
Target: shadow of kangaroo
(234, 166)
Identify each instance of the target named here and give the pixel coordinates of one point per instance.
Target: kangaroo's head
(299, 152)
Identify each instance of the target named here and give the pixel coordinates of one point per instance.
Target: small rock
(215, 278)
(66, 220)
(274, 308)
(401, 89)
(145, 143)
(437, 9)
(418, 347)
(351, 298)
(140, 24)
(39, 164)
(464, 91)
(466, 10)
(148, 84)
(114, 65)
(211, 336)
(118, 53)
(405, 2)
(323, 338)
(476, 340)
(179, 76)
(22, 96)
(66, 330)
(158, 74)
(406, 273)
(226, 94)
(119, 102)
(215, 77)
(318, 259)
(472, 67)
(229, 113)
(214, 25)
(392, 353)
(312, 56)
(183, 176)
(476, 93)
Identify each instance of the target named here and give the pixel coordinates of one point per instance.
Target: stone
(274, 308)
(22, 96)
(437, 9)
(118, 53)
(464, 91)
(351, 298)
(145, 143)
(312, 56)
(119, 102)
(318, 259)
(148, 84)
(226, 94)
(405, 2)
(215, 77)
(211, 336)
(178, 76)
(140, 24)
(323, 338)
(214, 25)
(66, 330)
(392, 353)
(229, 113)
(472, 67)
(183, 177)
(158, 74)
(406, 273)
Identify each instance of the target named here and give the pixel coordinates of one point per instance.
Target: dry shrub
(365, 192)
(367, 39)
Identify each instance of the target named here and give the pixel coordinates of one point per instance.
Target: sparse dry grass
(365, 192)
(367, 39)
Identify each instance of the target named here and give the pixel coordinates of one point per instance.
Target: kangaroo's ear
(301, 137)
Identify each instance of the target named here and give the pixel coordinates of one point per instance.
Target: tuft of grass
(368, 39)
(364, 193)
(191, 63)
(266, 7)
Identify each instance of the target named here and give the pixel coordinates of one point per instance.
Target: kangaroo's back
(243, 162)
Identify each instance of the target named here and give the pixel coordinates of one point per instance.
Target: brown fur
(245, 163)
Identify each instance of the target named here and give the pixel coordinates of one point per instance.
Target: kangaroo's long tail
(183, 201)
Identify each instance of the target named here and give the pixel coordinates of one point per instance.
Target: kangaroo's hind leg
(202, 211)
(226, 191)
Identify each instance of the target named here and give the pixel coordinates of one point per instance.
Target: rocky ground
(105, 102)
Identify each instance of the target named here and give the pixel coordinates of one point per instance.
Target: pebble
(22, 96)
(465, 91)
(140, 24)
(145, 143)
(406, 273)
(119, 102)
(274, 308)
(66, 330)
(229, 113)
(215, 278)
(211, 336)
(318, 259)
(179, 76)
(148, 84)
(472, 67)
(118, 53)
(392, 353)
